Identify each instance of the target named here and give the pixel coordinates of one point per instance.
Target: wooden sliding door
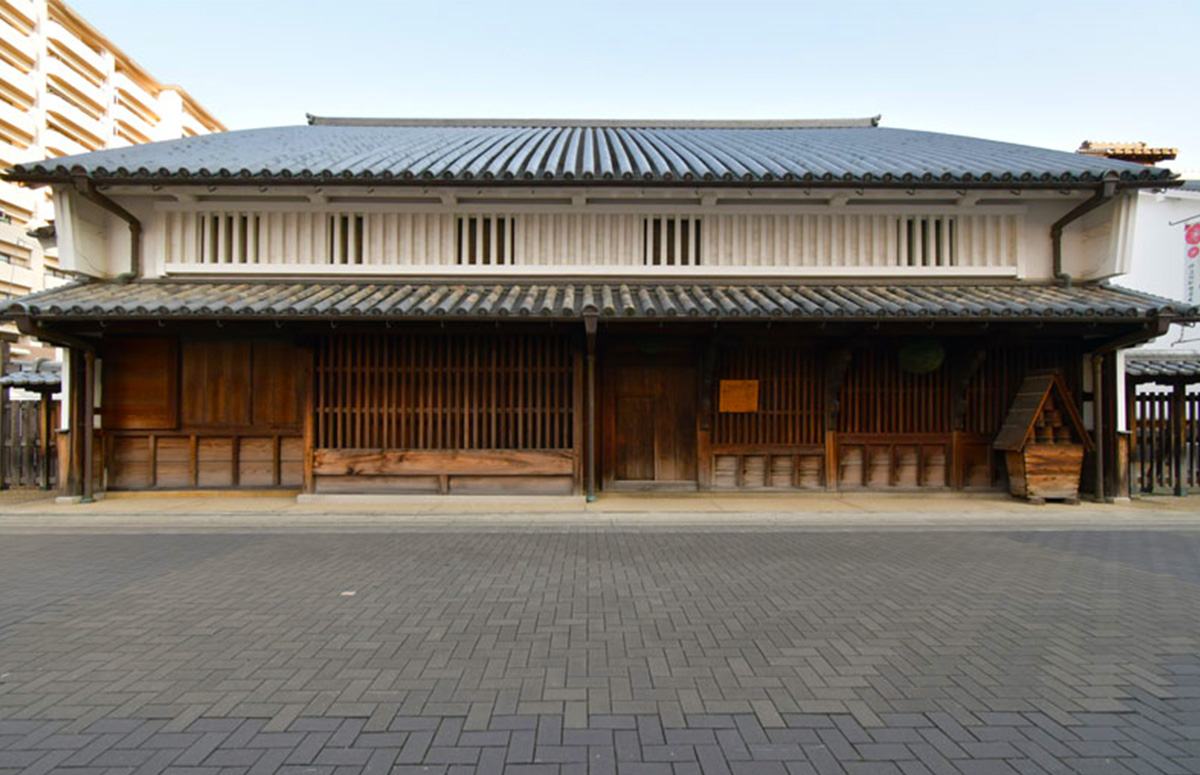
(439, 412)
(651, 421)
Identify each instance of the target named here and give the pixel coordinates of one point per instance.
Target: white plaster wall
(1160, 259)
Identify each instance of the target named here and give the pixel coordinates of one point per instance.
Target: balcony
(133, 121)
(16, 154)
(23, 46)
(91, 128)
(142, 100)
(21, 8)
(15, 200)
(86, 54)
(71, 79)
(59, 144)
(18, 84)
(20, 126)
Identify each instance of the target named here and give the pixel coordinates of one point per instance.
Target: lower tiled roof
(323, 300)
(38, 375)
(1150, 363)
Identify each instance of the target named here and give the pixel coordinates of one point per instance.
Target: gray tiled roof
(636, 153)
(322, 300)
(39, 375)
(1150, 363)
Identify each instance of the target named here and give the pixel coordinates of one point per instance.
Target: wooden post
(310, 418)
(75, 422)
(1178, 434)
(704, 417)
(89, 387)
(589, 328)
(837, 363)
(4, 425)
(578, 403)
(1098, 422)
(45, 425)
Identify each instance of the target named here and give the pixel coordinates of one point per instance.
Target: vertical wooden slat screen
(444, 392)
(1153, 428)
(878, 397)
(789, 397)
(994, 386)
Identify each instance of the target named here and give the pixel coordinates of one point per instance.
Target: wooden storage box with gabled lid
(1043, 440)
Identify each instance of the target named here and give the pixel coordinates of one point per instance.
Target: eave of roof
(1159, 364)
(565, 300)
(833, 153)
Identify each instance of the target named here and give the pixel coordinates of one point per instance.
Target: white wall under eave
(1099, 245)
(93, 241)
(1160, 261)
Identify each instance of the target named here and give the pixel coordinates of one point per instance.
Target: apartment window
(485, 240)
(670, 240)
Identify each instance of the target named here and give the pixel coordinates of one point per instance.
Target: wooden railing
(23, 451)
(1165, 454)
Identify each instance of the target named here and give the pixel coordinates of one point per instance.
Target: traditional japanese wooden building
(461, 306)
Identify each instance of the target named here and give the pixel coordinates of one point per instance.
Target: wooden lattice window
(927, 240)
(345, 234)
(669, 240)
(484, 240)
(445, 392)
(788, 410)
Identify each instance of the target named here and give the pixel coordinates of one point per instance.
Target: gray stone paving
(601, 652)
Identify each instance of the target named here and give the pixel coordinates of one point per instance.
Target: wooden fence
(1162, 451)
(21, 451)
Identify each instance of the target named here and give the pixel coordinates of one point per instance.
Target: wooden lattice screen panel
(789, 397)
(994, 386)
(878, 397)
(445, 392)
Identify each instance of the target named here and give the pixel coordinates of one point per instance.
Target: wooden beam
(499, 462)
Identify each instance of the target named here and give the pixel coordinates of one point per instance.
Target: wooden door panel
(654, 427)
(139, 378)
(635, 437)
(675, 426)
(216, 383)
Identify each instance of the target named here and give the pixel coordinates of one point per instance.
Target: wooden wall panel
(278, 385)
(877, 397)
(994, 386)
(139, 383)
(789, 397)
(216, 382)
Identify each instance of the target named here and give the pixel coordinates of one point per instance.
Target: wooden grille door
(654, 425)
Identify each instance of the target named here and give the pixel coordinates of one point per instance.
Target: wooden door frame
(622, 350)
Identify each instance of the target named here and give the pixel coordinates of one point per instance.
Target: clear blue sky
(1048, 73)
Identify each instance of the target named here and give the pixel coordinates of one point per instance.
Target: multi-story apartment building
(467, 306)
(66, 89)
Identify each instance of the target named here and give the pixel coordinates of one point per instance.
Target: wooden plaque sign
(738, 395)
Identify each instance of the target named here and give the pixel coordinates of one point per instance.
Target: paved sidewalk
(151, 512)
(751, 650)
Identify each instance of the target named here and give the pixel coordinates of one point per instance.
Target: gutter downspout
(87, 189)
(1104, 193)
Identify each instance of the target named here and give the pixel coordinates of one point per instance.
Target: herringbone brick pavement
(601, 652)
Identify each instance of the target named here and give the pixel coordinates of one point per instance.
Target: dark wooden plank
(329, 462)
